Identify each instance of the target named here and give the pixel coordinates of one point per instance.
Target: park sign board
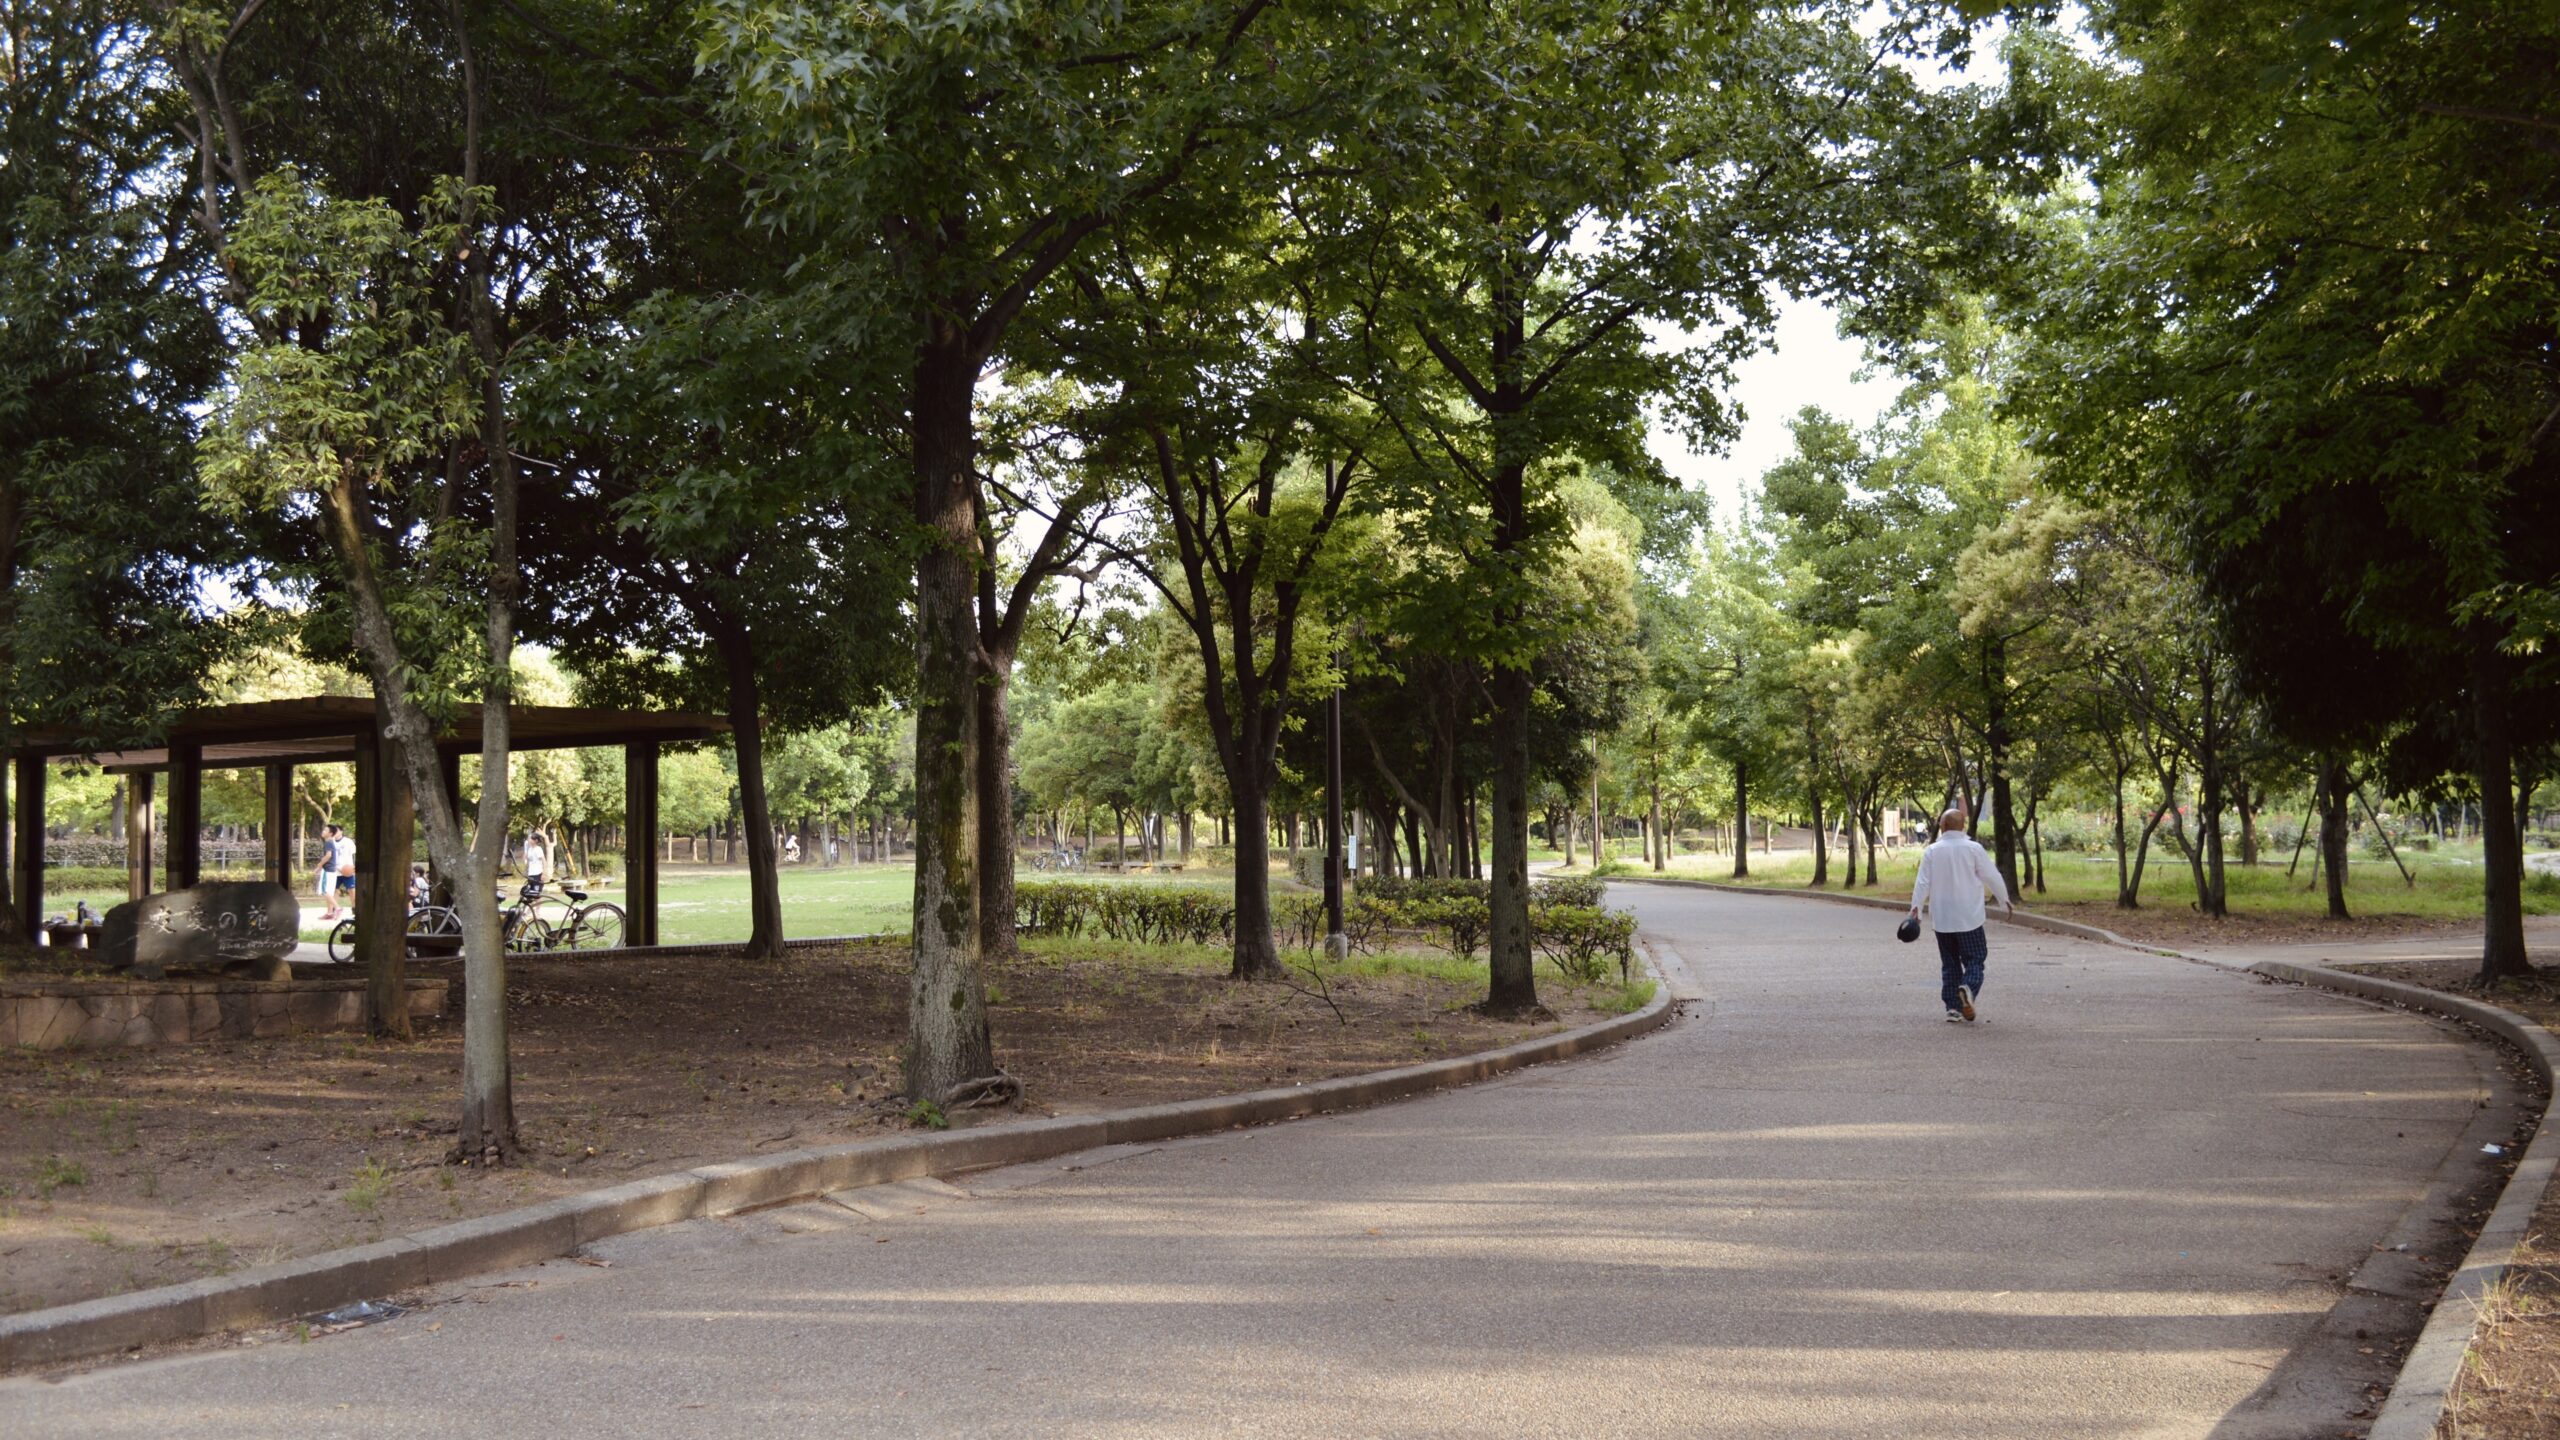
(218, 925)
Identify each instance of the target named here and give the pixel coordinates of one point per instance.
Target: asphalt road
(1810, 1208)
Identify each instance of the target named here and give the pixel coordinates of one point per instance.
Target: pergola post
(186, 814)
(279, 826)
(449, 764)
(26, 856)
(384, 817)
(640, 841)
(137, 834)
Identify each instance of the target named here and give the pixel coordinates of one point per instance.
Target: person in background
(537, 862)
(1954, 874)
(325, 883)
(420, 890)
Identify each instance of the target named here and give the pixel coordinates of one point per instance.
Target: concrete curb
(283, 1291)
(2424, 1390)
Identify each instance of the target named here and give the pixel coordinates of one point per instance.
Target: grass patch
(2447, 882)
(1623, 999)
(372, 1181)
(54, 1173)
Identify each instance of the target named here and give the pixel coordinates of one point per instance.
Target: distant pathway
(1809, 1209)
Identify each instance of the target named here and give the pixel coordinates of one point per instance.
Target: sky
(1808, 363)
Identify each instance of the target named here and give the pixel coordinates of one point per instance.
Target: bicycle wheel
(595, 926)
(434, 922)
(342, 941)
(529, 934)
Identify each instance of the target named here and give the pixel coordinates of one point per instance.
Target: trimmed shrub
(1579, 890)
(1147, 914)
(1424, 887)
(1460, 922)
(1581, 940)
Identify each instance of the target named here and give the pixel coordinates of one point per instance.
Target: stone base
(89, 1014)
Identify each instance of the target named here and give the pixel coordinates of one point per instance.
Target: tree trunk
(2502, 948)
(1821, 840)
(746, 733)
(2210, 803)
(1996, 738)
(1514, 989)
(2333, 831)
(948, 1043)
(1661, 851)
(1257, 952)
(1599, 850)
(2130, 897)
(996, 938)
(1741, 821)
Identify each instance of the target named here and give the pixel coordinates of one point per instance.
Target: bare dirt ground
(2179, 926)
(2510, 1386)
(131, 1168)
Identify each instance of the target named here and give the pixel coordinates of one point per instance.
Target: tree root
(1532, 1013)
(988, 1090)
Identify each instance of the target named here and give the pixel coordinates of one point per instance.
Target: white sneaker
(1964, 1000)
(1955, 1017)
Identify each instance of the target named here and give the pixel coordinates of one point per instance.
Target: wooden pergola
(277, 735)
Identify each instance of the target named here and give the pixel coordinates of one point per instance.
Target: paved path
(1809, 1209)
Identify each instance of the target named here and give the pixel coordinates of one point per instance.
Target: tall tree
(107, 350)
(1576, 174)
(378, 254)
(960, 156)
(2273, 317)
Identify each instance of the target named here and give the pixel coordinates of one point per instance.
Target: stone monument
(223, 925)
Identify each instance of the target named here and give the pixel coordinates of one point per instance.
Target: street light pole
(1337, 945)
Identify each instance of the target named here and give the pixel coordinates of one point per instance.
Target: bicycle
(436, 925)
(583, 925)
(589, 924)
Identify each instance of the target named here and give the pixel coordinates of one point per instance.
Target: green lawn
(697, 906)
(2447, 886)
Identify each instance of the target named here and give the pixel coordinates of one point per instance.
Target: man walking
(1954, 872)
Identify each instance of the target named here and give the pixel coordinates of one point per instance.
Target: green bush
(1581, 940)
(1424, 887)
(1460, 923)
(1582, 890)
(1149, 914)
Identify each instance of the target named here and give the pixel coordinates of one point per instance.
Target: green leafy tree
(1580, 173)
(107, 350)
(1047, 121)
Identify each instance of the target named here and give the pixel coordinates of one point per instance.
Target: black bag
(1908, 930)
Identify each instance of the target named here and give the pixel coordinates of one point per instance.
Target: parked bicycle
(586, 924)
(431, 930)
(582, 924)
(1064, 858)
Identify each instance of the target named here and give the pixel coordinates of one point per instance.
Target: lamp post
(1337, 945)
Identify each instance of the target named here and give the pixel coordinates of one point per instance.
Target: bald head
(1952, 820)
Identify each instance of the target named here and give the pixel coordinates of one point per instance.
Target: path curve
(1811, 1208)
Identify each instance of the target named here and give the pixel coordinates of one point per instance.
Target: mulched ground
(126, 1169)
(2179, 926)
(2510, 1387)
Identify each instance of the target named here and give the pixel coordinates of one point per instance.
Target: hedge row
(1579, 940)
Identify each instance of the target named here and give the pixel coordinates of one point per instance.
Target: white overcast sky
(1808, 363)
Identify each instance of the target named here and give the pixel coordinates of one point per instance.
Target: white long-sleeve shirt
(1956, 871)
